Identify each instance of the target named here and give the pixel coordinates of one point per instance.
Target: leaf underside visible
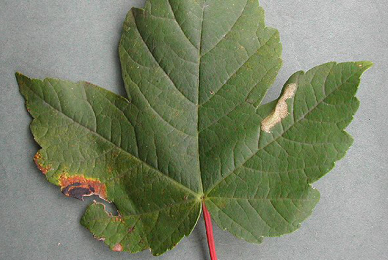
(193, 128)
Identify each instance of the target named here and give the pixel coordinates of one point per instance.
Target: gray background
(77, 40)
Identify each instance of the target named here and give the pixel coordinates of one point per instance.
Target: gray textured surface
(77, 40)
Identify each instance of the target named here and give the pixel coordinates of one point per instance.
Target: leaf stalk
(209, 232)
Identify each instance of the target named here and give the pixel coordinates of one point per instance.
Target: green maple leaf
(193, 129)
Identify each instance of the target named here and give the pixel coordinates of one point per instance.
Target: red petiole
(209, 232)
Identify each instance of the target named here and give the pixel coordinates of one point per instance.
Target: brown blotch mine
(78, 186)
(41, 167)
(118, 248)
(281, 109)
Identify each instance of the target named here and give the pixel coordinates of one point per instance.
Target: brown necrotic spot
(79, 186)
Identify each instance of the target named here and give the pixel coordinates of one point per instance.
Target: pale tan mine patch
(281, 109)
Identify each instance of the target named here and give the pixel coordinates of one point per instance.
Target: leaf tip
(18, 74)
(364, 65)
(20, 77)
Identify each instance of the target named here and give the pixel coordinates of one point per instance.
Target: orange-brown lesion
(78, 186)
(118, 248)
(117, 219)
(38, 161)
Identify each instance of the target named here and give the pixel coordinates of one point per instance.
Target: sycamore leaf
(193, 129)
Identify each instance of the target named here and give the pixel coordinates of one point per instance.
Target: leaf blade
(113, 173)
(196, 72)
(297, 152)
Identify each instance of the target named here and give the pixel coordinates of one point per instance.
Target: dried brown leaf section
(78, 186)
